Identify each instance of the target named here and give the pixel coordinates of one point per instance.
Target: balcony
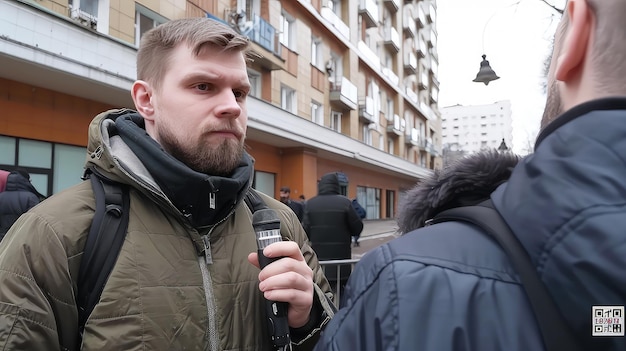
(366, 110)
(368, 9)
(432, 148)
(411, 94)
(392, 5)
(410, 29)
(432, 13)
(421, 47)
(336, 21)
(371, 56)
(343, 94)
(392, 39)
(410, 62)
(421, 16)
(387, 72)
(432, 39)
(397, 127)
(264, 34)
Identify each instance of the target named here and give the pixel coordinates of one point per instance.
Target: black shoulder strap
(254, 201)
(555, 331)
(104, 241)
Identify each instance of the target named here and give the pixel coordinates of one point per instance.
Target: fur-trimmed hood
(465, 182)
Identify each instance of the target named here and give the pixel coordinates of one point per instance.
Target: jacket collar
(203, 199)
(611, 103)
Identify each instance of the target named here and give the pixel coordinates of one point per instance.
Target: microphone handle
(276, 312)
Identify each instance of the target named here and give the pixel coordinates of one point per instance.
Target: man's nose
(228, 106)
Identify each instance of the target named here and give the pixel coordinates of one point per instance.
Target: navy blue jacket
(449, 287)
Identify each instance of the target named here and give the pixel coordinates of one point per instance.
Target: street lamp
(486, 73)
(503, 147)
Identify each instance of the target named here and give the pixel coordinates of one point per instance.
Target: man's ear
(141, 92)
(576, 41)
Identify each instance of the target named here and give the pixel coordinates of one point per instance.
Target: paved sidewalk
(375, 233)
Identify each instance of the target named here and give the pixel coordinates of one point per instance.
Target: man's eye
(240, 94)
(203, 86)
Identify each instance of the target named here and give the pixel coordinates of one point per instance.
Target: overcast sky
(516, 40)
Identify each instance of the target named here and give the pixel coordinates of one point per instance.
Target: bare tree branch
(560, 11)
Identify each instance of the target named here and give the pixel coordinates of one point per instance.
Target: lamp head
(485, 74)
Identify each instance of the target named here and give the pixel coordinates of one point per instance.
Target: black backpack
(106, 236)
(556, 333)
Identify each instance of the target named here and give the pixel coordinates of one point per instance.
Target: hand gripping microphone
(267, 227)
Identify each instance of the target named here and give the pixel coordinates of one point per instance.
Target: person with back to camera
(187, 275)
(330, 222)
(16, 197)
(450, 286)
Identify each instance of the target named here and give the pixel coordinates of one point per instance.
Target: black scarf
(203, 199)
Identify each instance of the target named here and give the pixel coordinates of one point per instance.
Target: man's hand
(288, 279)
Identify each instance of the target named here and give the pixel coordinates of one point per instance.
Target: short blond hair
(158, 43)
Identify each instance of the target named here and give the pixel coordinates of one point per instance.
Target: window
(316, 53)
(369, 198)
(335, 121)
(53, 167)
(335, 6)
(367, 134)
(390, 148)
(250, 7)
(145, 19)
(88, 6)
(390, 110)
(288, 31)
(288, 100)
(264, 182)
(255, 83)
(317, 113)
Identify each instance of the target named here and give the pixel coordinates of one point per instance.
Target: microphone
(267, 228)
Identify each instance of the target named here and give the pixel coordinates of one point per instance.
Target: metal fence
(339, 264)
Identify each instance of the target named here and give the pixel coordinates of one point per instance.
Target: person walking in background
(360, 211)
(296, 206)
(330, 222)
(17, 195)
(187, 276)
(450, 286)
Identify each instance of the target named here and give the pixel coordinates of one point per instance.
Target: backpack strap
(254, 201)
(555, 331)
(103, 244)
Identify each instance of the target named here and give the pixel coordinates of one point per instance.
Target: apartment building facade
(345, 86)
(472, 128)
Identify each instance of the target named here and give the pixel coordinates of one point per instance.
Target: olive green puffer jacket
(161, 294)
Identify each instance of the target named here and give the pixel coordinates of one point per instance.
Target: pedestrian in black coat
(19, 196)
(330, 222)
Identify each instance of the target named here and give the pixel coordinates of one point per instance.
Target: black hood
(204, 199)
(467, 181)
(329, 185)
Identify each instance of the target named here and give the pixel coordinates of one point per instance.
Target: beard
(220, 161)
(554, 107)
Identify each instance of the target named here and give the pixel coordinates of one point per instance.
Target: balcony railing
(264, 34)
(344, 94)
(398, 125)
(410, 62)
(392, 5)
(366, 110)
(392, 39)
(410, 29)
(336, 21)
(368, 9)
